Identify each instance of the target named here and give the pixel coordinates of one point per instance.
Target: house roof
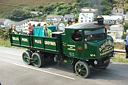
(88, 10)
(69, 16)
(20, 23)
(51, 16)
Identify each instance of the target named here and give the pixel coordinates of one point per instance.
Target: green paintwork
(37, 42)
(64, 43)
(15, 39)
(50, 44)
(25, 40)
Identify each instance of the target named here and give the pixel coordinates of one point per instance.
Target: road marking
(45, 71)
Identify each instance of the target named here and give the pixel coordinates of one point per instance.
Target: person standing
(30, 29)
(10, 29)
(69, 23)
(126, 44)
(14, 31)
(47, 32)
(76, 21)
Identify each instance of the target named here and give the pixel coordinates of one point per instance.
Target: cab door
(74, 48)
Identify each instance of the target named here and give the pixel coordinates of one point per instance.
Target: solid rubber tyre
(38, 60)
(26, 57)
(82, 69)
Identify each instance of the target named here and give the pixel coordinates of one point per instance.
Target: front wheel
(82, 69)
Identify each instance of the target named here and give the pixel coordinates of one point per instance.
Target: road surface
(13, 71)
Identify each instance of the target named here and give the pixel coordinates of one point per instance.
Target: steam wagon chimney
(100, 20)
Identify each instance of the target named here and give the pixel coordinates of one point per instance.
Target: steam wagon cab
(94, 47)
(81, 45)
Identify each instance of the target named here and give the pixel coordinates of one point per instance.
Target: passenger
(39, 24)
(14, 31)
(69, 23)
(126, 44)
(47, 32)
(33, 25)
(76, 21)
(10, 29)
(30, 29)
(77, 36)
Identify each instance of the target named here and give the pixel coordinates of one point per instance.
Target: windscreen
(94, 34)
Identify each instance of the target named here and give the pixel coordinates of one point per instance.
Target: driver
(76, 36)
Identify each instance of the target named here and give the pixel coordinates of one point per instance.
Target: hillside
(7, 6)
(31, 2)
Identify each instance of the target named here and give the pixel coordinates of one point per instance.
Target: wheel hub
(79, 70)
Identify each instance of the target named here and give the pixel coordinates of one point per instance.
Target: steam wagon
(94, 48)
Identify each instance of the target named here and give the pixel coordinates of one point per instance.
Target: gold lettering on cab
(15, 38)
(38, 41)
(50, 43)
(71, 47)
(24, 39)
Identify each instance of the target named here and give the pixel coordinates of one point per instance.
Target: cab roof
(84, 26)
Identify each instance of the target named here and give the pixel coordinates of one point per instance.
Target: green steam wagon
(94, 48)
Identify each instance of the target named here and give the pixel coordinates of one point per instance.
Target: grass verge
(119, 58)
(5, 43)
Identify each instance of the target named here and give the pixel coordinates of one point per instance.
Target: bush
(125, 26)
(4, 34)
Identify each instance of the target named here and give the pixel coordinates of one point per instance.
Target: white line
(44, 71)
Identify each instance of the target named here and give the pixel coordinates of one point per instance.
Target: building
(116, 32)
(113, 19)
(54, 18)
(87, 15)
(36, 13)
(4, 22)
(118, 11)
(20, 25)
(23, 25)
(69, 17)
(126, 16)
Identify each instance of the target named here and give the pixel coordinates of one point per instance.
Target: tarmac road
(13, 71)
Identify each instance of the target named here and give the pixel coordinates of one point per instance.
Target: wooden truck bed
(45, 44)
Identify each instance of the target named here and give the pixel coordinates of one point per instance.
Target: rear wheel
(26, 57)
(38, 59)
(82, 69)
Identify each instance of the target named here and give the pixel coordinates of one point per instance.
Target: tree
(18, 15)
(126, 26)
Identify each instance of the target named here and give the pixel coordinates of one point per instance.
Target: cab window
(95, 34)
